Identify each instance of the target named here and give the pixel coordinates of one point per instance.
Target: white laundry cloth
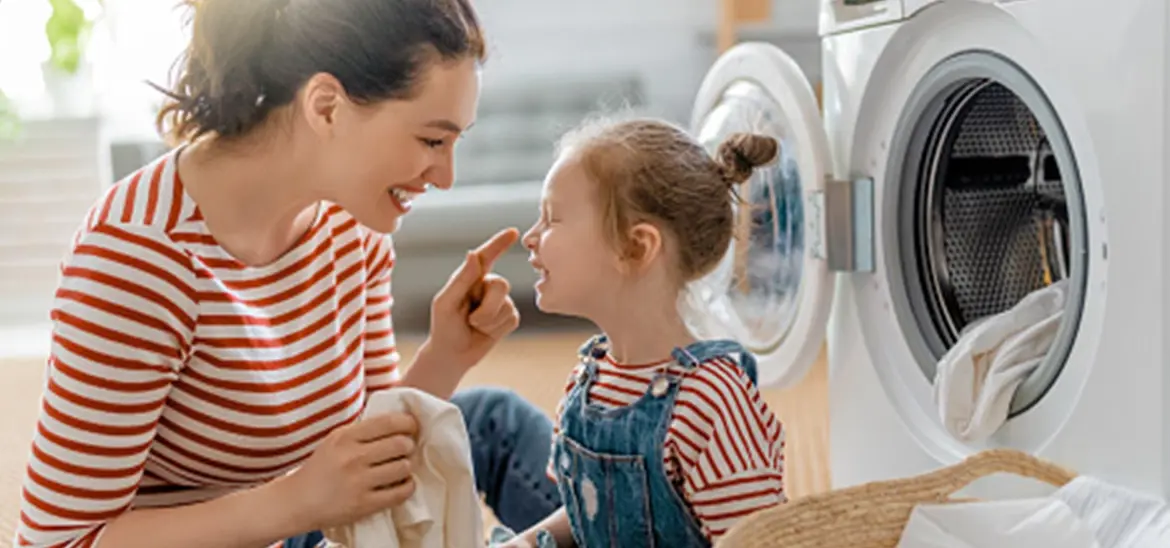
(444, 511)
(977, 378)
(1119, 517)
(1021, 523)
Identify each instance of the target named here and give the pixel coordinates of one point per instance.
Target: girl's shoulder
(721, 371)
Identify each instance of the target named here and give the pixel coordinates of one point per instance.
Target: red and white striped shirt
(178, 374)
(724, 448)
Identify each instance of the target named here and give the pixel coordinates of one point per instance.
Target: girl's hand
(358, 470)
(515, 543)
(473, 311)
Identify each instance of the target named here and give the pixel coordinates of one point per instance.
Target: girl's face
(579, 270)
(379, 157)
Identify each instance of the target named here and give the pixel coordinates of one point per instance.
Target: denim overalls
(608, 461)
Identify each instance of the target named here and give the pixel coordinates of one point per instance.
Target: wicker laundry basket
(873, 515)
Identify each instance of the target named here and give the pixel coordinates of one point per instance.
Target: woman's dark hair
(248, 57)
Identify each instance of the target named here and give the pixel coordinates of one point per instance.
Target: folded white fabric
(444, 511)
(1119, 517)
(1022, 523)
(977, 378)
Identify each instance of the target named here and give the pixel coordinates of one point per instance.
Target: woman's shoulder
(151, 197)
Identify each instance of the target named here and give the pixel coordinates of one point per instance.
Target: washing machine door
(773, 288)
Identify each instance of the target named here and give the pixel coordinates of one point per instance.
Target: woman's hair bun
(741, 153)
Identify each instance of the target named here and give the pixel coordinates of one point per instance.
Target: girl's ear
(644, 245)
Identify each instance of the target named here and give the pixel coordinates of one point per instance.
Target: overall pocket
(604, 494)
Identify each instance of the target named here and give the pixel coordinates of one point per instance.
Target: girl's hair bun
(741, 153)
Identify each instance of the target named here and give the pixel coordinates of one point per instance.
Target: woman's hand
(356, 471)
(474, 311)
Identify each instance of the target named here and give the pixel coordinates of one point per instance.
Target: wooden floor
(533, 364)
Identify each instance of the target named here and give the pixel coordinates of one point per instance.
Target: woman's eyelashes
(439, 143)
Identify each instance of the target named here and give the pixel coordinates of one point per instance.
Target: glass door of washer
(773, 289)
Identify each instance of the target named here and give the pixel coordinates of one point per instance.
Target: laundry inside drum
(985, 218)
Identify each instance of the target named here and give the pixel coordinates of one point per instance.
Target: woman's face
(379, 157)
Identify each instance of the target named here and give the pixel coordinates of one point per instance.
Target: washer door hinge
(842, 225)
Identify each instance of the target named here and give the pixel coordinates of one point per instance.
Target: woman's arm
(432, 373)
(252, 518)
(468, 317)
(124, 316)
(380, 347)
(358, 469)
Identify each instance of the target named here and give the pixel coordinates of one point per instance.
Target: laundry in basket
(1021, 523)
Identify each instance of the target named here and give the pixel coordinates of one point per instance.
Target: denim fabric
(609, 461)
(510, 447)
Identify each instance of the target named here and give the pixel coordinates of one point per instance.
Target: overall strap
(698, 352)
(595, 348)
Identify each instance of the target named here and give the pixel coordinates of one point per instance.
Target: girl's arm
(557, 525)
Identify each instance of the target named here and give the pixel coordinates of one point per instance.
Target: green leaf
(66, 32)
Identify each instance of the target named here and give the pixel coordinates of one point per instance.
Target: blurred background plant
(9, 122)
(66, 31)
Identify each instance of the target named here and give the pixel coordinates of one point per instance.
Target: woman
(224, 312)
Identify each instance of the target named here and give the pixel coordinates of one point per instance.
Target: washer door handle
(844, 215)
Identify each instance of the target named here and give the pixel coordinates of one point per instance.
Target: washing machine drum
(987, 215)
(988, 210)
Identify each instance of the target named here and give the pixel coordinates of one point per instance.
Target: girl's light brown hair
(651, 171)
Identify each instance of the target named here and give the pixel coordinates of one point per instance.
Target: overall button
(659, 386)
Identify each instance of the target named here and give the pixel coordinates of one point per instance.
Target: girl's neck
(641, 334)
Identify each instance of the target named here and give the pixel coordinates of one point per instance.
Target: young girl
(661, 440)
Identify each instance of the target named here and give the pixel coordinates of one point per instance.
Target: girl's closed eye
(432, 143)
(548, 217)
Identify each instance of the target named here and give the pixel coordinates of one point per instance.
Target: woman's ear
(644, 245)
(321, 99)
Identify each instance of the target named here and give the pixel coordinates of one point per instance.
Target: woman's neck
(254, 200)
(641, 331)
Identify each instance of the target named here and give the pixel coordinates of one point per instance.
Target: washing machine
(966, 153)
